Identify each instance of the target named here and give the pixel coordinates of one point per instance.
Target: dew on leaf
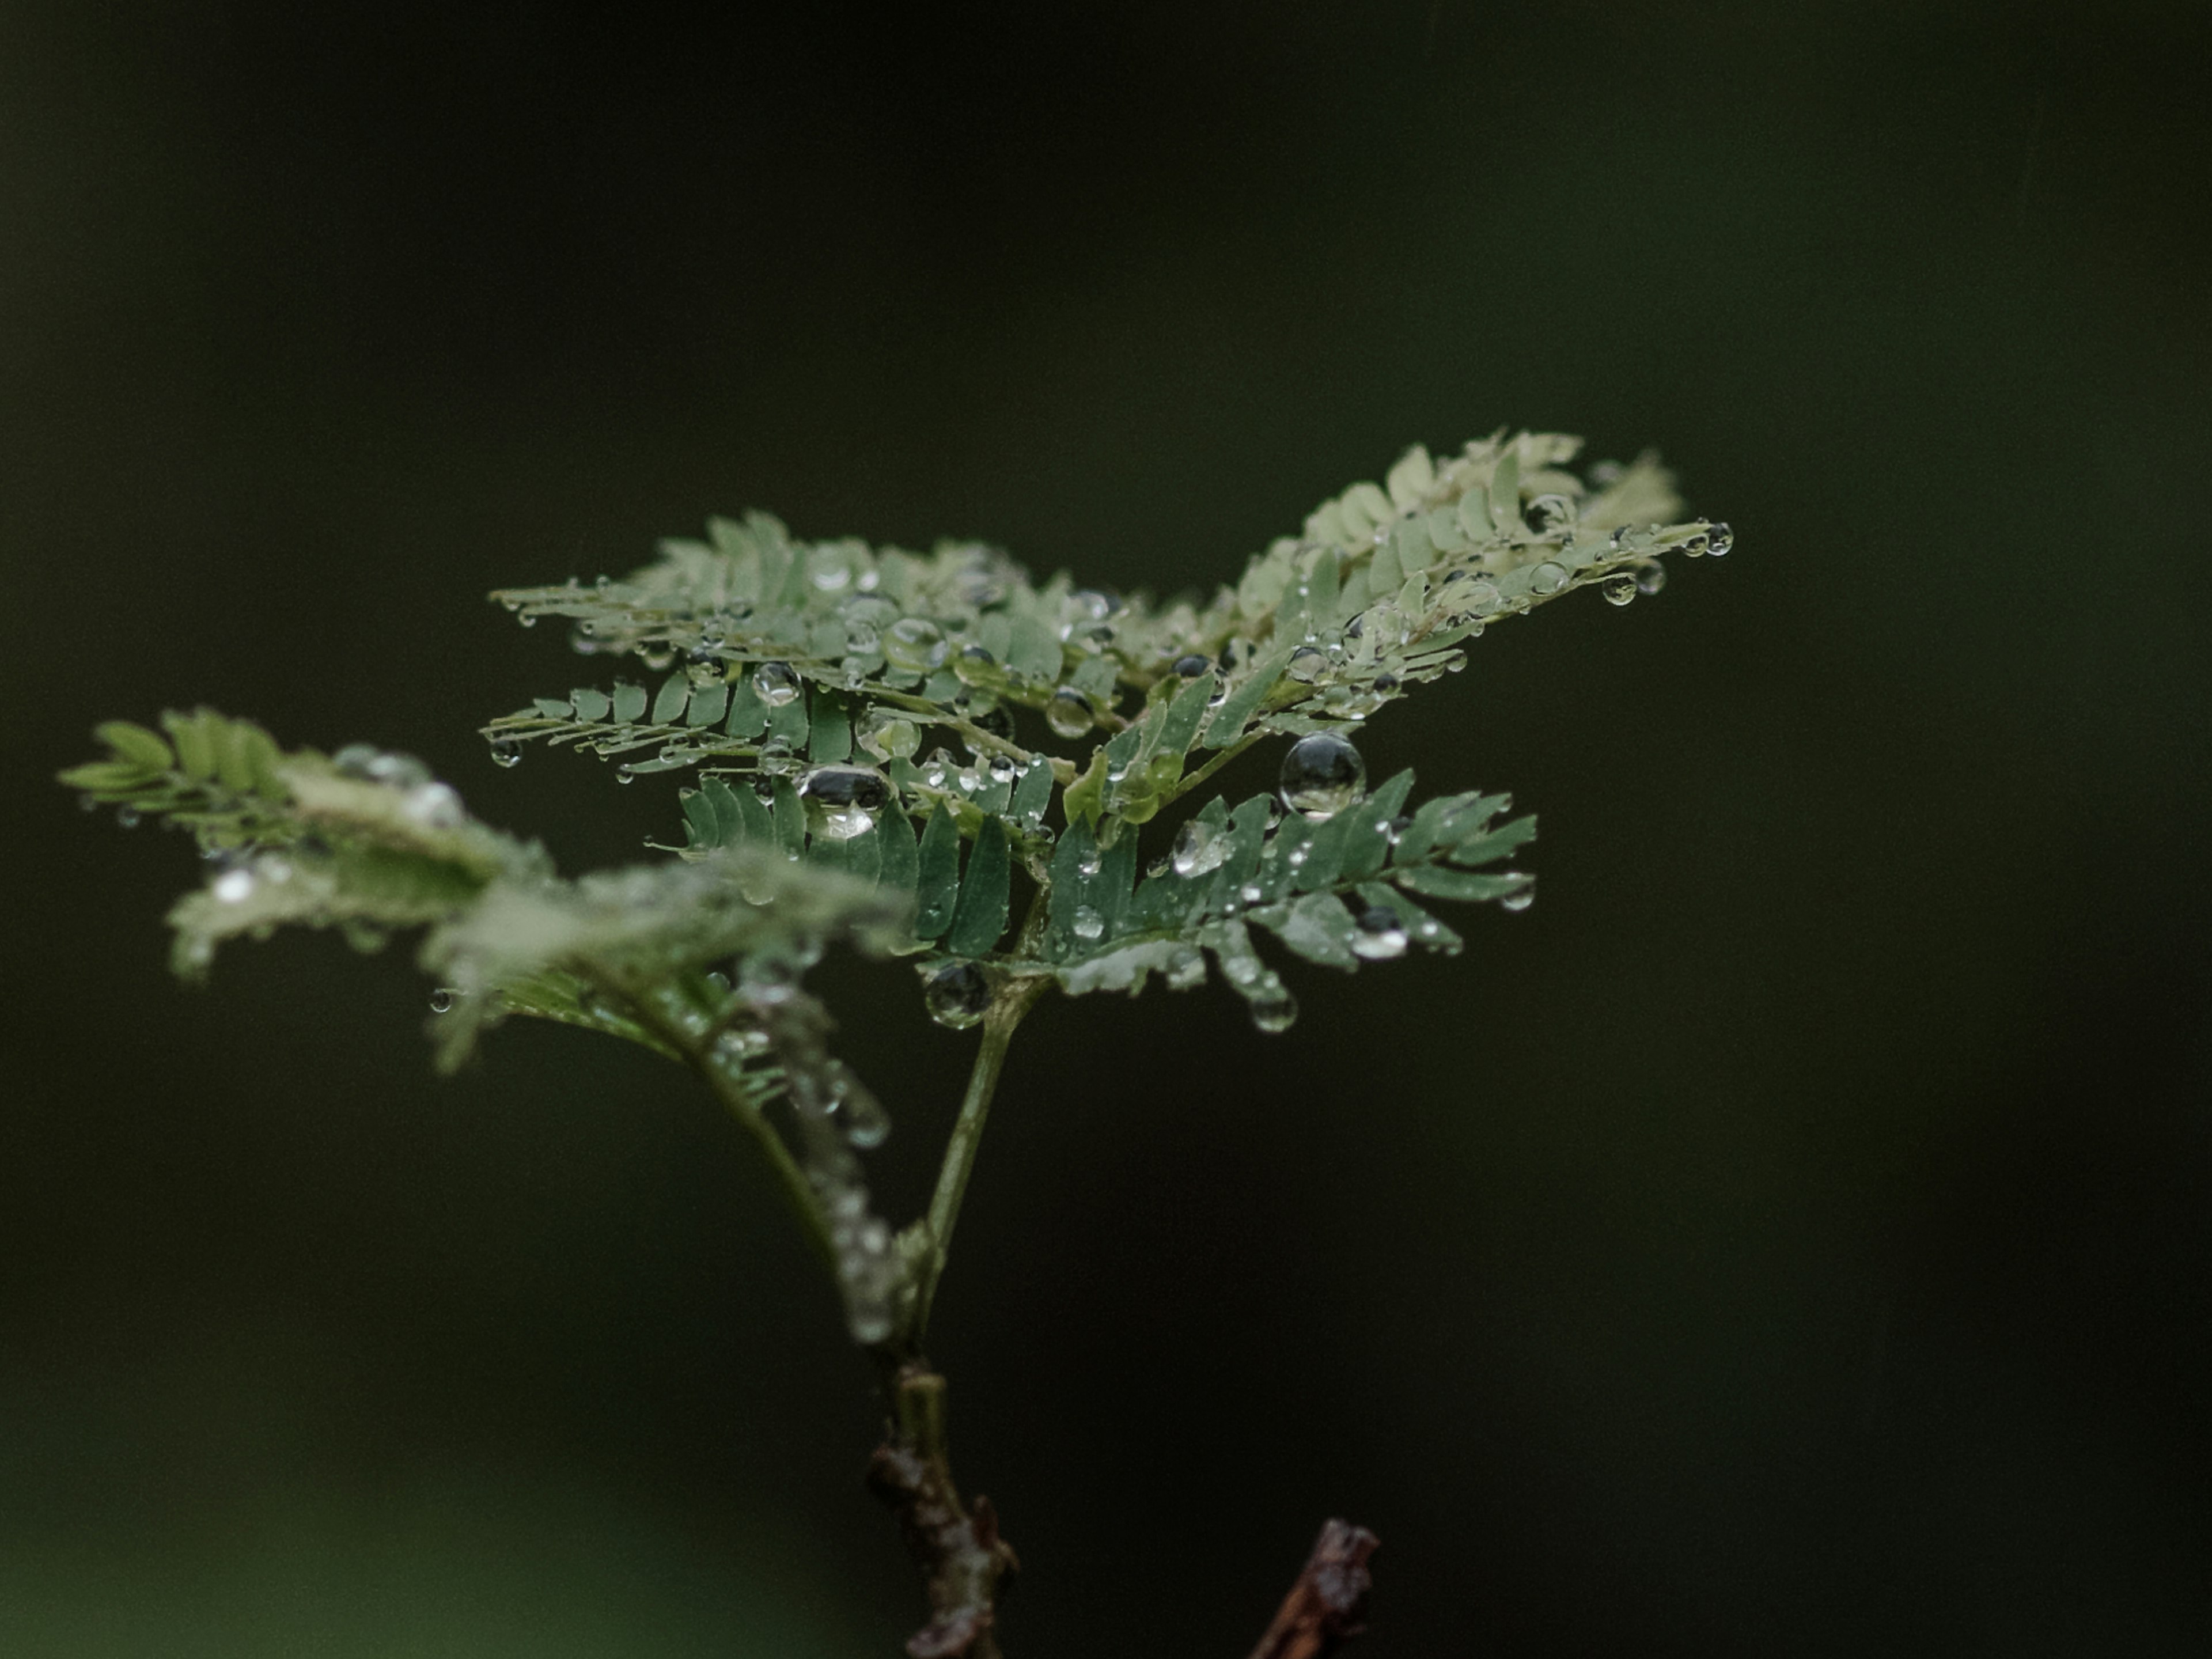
(1191, 667)
(1275, 1010)
(1306, 665)
(1379, 935)
(1322, 776)
(1067, 712)
(776, 683)
(1618, 588)
(1088, 923)
(957, 995)
(506, 751)
(1199, 848)
(1547, 577)
(441, 1000)
(843, 801)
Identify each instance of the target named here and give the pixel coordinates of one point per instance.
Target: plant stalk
(965, 1140)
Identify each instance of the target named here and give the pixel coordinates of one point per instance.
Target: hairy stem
(961, 1147)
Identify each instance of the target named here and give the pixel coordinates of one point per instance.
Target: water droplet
(1088, 863)
(914, 644)
(1520, 901)
(860, 638)
(1198, 847)
(1088, 923)
(1618, 588)
(974, 664)
(623, 775)
(936, 768)
(1386, 683)
(1545, 513)
(1547, 577)
(528, 619)
(1067, 712)
(1322, 776)
(1306, 665)
(655, 657)
(1380, 935)
(233, 886)
(441, 1002)
(861, 1119)
(434, 805)
(1719, 539)
(956, 994)
(1002, 768)
(1186, 971)
(827, 569)
(1276, 1011)
(126, 818)
(776, 683)
(1651, 578)
(1191, 667)
(889, 736)
(506, 751)
(843, 801)
(1250, 893)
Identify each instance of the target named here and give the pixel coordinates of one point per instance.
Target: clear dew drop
(1067, 712)
(1547, 577)
(776, 683)
(1088, 864)
(1379, 935)
(973, 665)
(957, 995)
(1545, 513)
(890, 736)
(624, 775)
(506, 752)
(1651, 578)
(1618, 588)
(1088, 923)
(441, 1002)
(861, 1119)
(1274, 1009)
(233, 886)
(1520, 901)
(1719, 539)
(1322, 776)
(1198, 847)
(1191, 667)
(914, 644)
(843, 801)
(1306, 665)
(126, 818)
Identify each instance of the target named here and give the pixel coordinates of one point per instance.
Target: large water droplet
(1067, 712)
(1186, 971)
(1088, 923)
(1322, 776)
(890, 736)
(843, 801)
(1618, 588)
(776, 683)
(1547, 577)
(1651, 578)
(914, 644)
(973, 665)
(956, 994)
(1274, 1009)
(1088, 863)
(1306, 665)
(1520, 901)
(233, 886)
(1718, 540)
(1380, 935)
(441, 1002)
(1191, 667)
(1198, 847)
(506, 751)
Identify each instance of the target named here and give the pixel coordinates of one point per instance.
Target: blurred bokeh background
(1790, 1236)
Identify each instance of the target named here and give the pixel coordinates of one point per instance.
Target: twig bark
(1323, 1610)
(963, 1559)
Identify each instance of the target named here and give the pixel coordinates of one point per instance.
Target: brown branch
(963, 1560)
(1324, 1608)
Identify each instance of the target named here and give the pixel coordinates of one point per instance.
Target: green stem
(965, 1140)
(797, 1192)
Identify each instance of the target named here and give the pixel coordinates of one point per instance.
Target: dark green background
(1790, 1237)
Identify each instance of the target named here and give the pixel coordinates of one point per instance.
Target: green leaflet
(979, 915)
